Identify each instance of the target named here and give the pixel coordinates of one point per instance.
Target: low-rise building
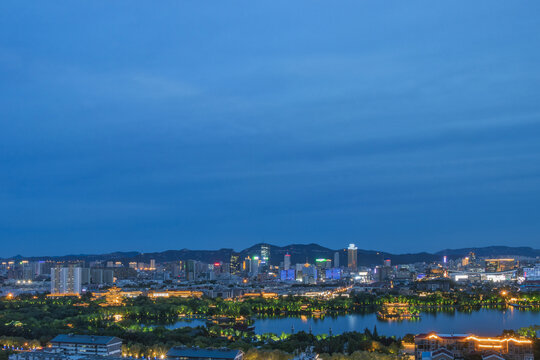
(45, 355)
(87, 345)
(460, 345)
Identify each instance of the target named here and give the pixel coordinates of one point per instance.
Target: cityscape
(245, 302)
(269, 180)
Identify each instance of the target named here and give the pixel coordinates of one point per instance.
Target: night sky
(397, 125)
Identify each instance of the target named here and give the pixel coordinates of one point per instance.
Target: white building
(66, 280)
(532, 273)
(287, 262)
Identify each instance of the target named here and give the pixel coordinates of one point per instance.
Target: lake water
(481, 322)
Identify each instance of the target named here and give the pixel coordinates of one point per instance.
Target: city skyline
(155, 126)
(494, 250)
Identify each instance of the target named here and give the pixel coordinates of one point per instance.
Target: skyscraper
(254, 266)
(352, 252)
(336, 259)
(287, 262)
(265, 254)
(235, 264)
(66, 280)
(191, 270)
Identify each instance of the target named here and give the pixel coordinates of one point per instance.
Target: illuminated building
(87, 345)
(175, 293)
(265, 295)
(288, 275)
(152, 264)
(465, 261)
(532, 273)
(235, 264)
(254, 266)
(333, 274)
(461, 345)
(287, 262)
(352, 252)
(115, 296)
(265, 254)
(323, 263)
(387, 262)
(66, 280)
(497, 265)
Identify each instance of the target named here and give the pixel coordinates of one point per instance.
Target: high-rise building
(152, 264)
(235, 267)
(85, 276)
(287, 262)
(352, 252)
(108, 276)
(265, 254)
(66, 280)
(191, 270)
(387, 262)
(254, 266)
(336, 259)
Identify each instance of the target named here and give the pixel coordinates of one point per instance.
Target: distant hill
(299, 253)
(492, 251)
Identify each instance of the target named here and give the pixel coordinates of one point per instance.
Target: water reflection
(485, 321)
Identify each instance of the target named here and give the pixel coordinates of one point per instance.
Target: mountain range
(299, 253)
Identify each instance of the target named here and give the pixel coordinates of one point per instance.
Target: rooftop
(85, 339)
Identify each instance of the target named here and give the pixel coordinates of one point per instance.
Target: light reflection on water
(482, 322)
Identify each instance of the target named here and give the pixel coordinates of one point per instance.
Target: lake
(481, 322)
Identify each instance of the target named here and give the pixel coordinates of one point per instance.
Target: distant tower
(265, 254)
(235, 264)
(336, 259)
(387, 262)
(254, 266)
(287, 262)
(152, 264)
(352, 252)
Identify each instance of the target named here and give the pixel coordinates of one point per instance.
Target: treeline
(37, 319)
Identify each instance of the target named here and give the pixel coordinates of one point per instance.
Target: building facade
(352, 252)
(460, 345)
(87, 345)
(66, 280)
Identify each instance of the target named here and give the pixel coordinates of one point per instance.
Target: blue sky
(400, 126)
